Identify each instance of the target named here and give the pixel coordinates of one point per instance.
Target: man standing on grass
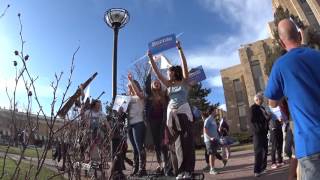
(296, 76)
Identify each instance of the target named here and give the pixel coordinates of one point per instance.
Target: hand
(130, 77)
(178, 44)
(150, 54)
(212, 139)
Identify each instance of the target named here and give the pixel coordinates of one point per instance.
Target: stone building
(241, 82)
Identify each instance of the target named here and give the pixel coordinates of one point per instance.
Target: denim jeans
(136, 134)
(310, 167)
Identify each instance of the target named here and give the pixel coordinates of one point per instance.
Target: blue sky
(213, 32)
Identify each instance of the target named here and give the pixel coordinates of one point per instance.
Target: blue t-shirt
(178, 95)
(212, 127)
(296, 75)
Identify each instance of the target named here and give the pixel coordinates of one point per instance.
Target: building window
(242, 117)
(257, 76)
(238, 91)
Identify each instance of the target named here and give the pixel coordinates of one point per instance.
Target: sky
(213, 31)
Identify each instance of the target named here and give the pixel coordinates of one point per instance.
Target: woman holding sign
(137, 129)
(179, 115)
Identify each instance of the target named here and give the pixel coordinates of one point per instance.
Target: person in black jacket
(259, 120)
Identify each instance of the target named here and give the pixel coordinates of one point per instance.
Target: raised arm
(183, 62)
(134, 87)
(147, 84)
(156, 70)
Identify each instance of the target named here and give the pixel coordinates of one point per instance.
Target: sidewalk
(240, 166)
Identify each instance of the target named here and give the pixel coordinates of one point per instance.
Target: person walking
(295, 76)
(259, 120)
(225, 139)
(212, 139)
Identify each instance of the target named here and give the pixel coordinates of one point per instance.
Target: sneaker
(224, 162)
(213, 172)
(180, 176)
(187, 175)
(280, 164)
(274, 166)
(206, 169)
(257, 174)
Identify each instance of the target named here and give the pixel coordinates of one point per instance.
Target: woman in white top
(137, 129)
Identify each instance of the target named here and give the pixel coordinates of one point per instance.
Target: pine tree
(198, 97)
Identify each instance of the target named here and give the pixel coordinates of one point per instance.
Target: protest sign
(196, 75)
(121, 101)
(162, 44)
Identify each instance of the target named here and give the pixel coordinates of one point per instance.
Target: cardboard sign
(121, 101)
(162, 44)
(196, 75)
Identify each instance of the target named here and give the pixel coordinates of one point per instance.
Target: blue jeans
(310, 167)
(136, 135)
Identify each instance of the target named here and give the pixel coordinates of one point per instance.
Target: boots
(142, 164)
(135, 165)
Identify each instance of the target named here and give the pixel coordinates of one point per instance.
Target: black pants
(289, 146)
(260, 145)
(117, 155)
(188, 163)
(157, 129)
(276, 137)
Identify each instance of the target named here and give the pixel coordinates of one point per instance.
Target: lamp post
(115, 18)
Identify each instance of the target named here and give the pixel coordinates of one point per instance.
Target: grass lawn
(30, 152)
(10, 167)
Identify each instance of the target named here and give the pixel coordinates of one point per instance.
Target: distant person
(259, 120)
(296, 76)
(212, 139)
(225, 139)
(276, 137)
(179, 114)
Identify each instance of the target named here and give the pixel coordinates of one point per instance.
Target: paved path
(240, 166)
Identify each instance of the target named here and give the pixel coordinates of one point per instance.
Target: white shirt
(136, 108)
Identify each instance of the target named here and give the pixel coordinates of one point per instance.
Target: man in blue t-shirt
(296, 76)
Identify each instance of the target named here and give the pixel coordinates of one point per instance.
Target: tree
(197, 97)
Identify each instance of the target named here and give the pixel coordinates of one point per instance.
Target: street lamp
(115, 18)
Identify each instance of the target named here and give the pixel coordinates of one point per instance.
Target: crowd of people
(292, 92)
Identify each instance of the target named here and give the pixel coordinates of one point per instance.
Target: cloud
(215, 81)
(223, 107)
(249, 20)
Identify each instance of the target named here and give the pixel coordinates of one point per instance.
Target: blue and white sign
(162, 44)
(196, 75)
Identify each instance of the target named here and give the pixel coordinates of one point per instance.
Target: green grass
(24, 167)
(30, 152)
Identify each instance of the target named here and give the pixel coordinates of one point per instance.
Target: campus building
(241, 82)
(22, 121)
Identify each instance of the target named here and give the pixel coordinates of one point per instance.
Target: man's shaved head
(288, 31)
